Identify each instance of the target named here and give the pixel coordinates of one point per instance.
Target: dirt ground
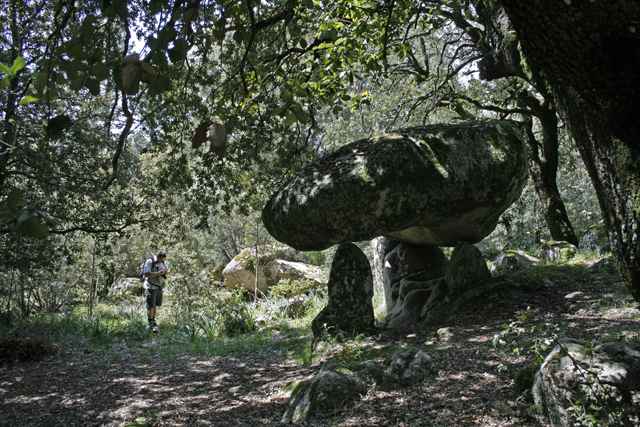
(474, 385)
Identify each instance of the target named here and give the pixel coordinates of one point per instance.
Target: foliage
(288, 288)
(28, 349)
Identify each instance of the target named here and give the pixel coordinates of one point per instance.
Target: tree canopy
(106, 104)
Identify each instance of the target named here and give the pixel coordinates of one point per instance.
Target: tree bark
(614, 168)
(504, 59)
(590, 55)
(544, 170)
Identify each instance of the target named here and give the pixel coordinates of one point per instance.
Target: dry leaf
(218, 138)
(132, 59)
(200, 135)
(128, 75)
(148, 68)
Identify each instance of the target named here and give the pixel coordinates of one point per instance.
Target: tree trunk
(543, 170)
(505, 60)
(614, 169)
(589, 52)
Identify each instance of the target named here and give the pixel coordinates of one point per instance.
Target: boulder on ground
(297, 271)
(553, 251)
(241, 271)
(327, 391)
(595, 239)
(577, 380)
(466, 267)
(511, 261)
(350, 287)
(430, 185)
(410, 262)
(126, 286)
(411, 366)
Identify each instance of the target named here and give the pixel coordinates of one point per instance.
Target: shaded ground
(474, 386)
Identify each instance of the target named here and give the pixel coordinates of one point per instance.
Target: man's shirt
(150, 266)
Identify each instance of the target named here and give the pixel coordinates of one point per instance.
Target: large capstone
(350, 287)
(430, 185)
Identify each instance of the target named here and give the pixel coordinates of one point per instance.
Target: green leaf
(34, 228)
(28, 100)
(301, 116)
(18, 65)
(291, 119)
(40, 82)
(15, 198)
(287, 96)
(179, 50)
(20, 221)
(56, 125)
(86, 29)
(5, 81)
(93, 85)
(4, 69)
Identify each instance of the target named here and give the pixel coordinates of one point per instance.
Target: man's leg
(151, 309)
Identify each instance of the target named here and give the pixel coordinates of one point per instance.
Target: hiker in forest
(155, 272)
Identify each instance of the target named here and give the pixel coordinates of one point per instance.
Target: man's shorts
(153, 297)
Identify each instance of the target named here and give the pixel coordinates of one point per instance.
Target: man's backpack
(153, 263)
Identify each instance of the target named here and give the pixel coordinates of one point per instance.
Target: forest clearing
(174, 379)
(319, 212)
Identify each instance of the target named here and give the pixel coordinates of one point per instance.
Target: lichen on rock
(430, 185)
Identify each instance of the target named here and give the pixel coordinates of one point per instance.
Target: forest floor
(143, 386)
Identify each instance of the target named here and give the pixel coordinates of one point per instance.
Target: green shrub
(19, 349)
(288, 288)
(524, 379)
(317, 258)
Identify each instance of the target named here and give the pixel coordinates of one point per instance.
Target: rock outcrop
(595, 239)
(274, 264)
(327, 391)
(511, 261)
(431, 185)
(553, 251)
(350, 288)
(603, 381)
(466, 268)
(413, 263)
(126, 286)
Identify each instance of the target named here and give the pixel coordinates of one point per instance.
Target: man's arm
(156, 273)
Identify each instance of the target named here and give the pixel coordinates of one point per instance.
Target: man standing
(155, 272)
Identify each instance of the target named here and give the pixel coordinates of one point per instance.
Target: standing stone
(381, 247)
(350, 287)
(410, 262)
(465, 268)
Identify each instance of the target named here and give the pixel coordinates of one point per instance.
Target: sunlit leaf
(291, 119)
(18, 65)
(28, 100)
